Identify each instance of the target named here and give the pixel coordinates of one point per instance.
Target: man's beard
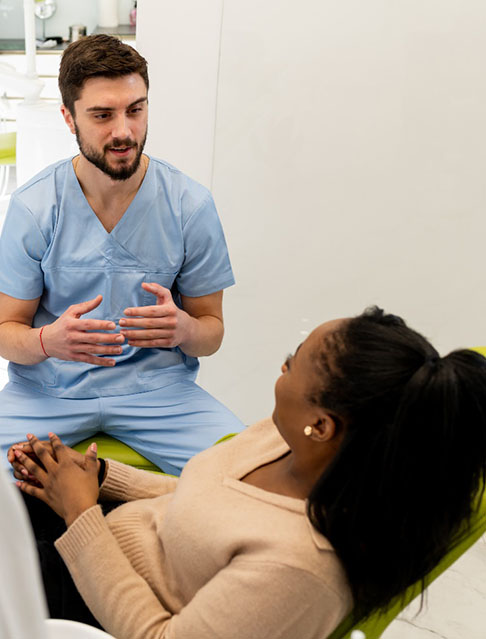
(98, 159)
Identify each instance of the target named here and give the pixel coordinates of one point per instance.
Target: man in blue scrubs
(112, 270)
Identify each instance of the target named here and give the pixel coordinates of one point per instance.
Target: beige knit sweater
(206, 556)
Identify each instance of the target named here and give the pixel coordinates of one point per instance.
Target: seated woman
(356, 489)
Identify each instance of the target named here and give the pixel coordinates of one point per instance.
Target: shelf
(16, 46)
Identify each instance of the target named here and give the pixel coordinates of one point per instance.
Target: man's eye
(136, 110)
(102, 116)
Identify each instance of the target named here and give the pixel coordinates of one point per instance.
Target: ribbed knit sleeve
(117, 596)
(124, 483)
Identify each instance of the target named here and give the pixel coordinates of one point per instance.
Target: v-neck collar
(245, 464)
(139, 201)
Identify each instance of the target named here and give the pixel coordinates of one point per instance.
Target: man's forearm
(20, 343)
(205, 335)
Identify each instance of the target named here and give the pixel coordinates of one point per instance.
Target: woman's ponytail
(404, 480)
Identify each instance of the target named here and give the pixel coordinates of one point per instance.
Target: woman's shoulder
(256, 442)
(264, 432)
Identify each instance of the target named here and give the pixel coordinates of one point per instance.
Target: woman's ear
(325, 428)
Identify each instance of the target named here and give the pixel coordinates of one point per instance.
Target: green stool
(115, 449)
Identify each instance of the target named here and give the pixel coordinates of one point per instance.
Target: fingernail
(30, 436)
(123, 322)
(18, 484)
(93, 447)
(24, 472)
(51, 435)
(17, 453)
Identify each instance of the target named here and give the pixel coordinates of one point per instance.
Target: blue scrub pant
(167, 425)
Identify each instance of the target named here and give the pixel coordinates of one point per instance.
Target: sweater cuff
(117, 481)
(88, 526)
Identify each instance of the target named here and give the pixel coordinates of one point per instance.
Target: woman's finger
(30, 466)
(31, 489)
(91, 458)
(57, 446)
(41, 450)
(18, 475)
(24, 446)
(20, 472)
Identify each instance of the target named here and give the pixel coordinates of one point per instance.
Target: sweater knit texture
(206, 556)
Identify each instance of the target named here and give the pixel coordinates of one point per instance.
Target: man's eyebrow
(103, 108)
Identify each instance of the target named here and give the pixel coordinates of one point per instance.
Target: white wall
(181, 41)
(348, 168)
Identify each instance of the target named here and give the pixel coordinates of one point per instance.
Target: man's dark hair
(96, 56)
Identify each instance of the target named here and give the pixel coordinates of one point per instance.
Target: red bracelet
(42, 343)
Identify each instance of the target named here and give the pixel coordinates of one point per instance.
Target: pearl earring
(308, 431)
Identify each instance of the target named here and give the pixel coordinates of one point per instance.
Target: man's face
(110, 123)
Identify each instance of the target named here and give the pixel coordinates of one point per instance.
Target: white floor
(456, 602)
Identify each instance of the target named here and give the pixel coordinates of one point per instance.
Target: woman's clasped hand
(57, 475)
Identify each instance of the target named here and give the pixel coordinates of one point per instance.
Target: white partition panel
(348, 170)
(180, 40)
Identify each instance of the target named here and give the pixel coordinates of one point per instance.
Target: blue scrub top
(53, 246)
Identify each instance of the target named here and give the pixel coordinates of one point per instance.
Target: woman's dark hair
(408, 474)
(96, 56)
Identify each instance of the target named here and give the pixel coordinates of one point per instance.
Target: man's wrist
(42, 344)
(189, 329)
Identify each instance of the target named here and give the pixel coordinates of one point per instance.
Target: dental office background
(344, 142)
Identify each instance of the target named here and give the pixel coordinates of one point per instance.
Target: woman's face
(293, 409)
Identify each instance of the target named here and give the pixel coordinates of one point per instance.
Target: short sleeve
(22, 247)
(206, 267)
